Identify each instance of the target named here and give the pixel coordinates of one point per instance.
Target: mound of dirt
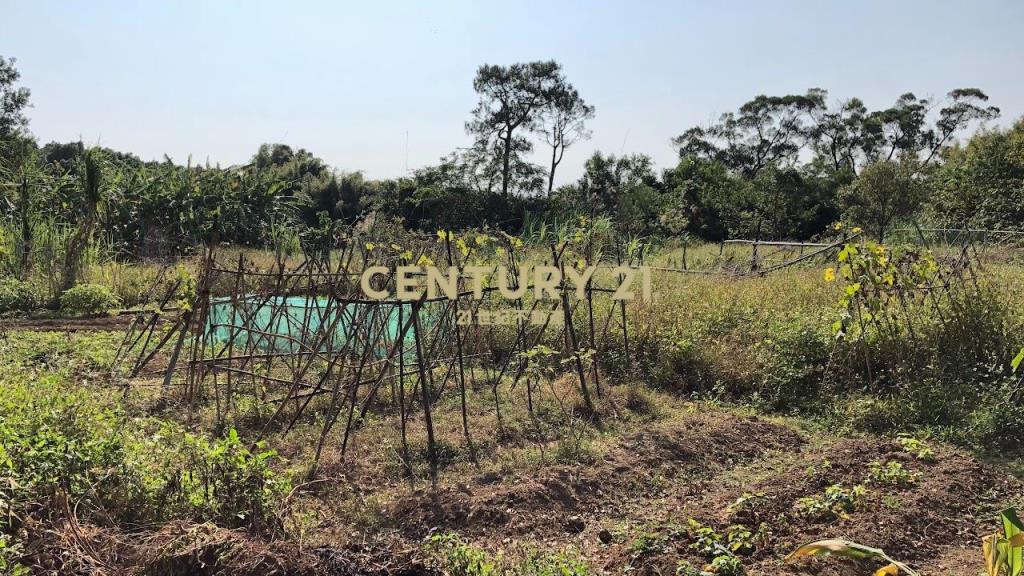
(542, 501)
(725, 470)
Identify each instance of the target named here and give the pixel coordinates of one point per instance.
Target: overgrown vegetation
(915, 343)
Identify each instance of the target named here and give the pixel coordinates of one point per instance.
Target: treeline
(778, 167)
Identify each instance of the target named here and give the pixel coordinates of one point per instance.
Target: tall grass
(45, 266)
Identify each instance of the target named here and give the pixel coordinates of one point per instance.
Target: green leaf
(849, 549)
(1011, 527)
(1015, 363)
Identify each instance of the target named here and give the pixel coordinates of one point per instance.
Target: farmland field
(664, 289)
(733, 427)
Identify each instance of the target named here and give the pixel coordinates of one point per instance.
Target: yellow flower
(370, 245)
(856, 230)
(442, 235)
(837, 226)
(424, 261)
(516, 242)
(830, 275)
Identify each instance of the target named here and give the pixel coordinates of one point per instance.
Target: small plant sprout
(892, 473)
(917, 448)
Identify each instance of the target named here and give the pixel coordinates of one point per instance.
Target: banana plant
(1004, 554)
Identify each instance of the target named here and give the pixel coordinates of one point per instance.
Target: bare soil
(647, 484)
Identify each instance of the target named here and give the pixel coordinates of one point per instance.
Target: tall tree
(625, 187)
(897, 131)
(511, 99)
(766, 131)
(981, 184)
(13, 100)
(837, 135)
(965, 105)
(563, 124)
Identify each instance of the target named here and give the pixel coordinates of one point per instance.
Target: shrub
(16, 295)
(88, 299)
(59, 441)
(870, 414)
(55, 441)
(10, 551)
(224, 482)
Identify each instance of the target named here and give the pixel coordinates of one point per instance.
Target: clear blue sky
(348, 80)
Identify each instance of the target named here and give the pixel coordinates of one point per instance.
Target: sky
(384, 87)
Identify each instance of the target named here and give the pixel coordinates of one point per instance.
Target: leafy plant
(461, 558)
(226, 482)
(18, 295)
(705, 539)
(10, 551)
(836, 502)
(917, 448)
(746, 501)
(1003, 552)
(721, 550)
(557, 564)
(726, 565)
(892, 473)
(88, 299)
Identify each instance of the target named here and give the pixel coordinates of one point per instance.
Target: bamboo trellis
(295, 335)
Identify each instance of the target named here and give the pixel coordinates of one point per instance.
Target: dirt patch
(99, 323)
(630, 511)
(185, 549)
(557, 499)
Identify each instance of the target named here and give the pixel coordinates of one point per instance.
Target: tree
(901, 131)
(965, 106)
(562, 124)
(767, 131)
(981, 185)
(886, 192)
(92, 185)
(13, 100)
(511, 98)
(625, 187)
(898, 131)
(700, 197)
(838, 135)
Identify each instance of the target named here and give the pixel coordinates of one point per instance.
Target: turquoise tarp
(288, 324)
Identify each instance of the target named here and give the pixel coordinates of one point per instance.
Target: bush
(88, 299)
(56, 442)
(53, 440)
(18, 295)
(224, 482)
